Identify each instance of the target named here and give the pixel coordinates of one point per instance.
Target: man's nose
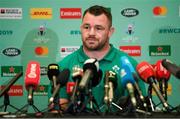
(92, 31)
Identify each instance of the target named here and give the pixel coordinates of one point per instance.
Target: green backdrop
(48, 30)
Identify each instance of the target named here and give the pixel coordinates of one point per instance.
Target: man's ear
(111, 31)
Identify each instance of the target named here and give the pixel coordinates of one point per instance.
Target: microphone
(171, 67)
(53, 71)
(110, 82)
(127, 81)
(62, 79)
(162, 75)
(125, 61)
(90, 68)
(77, 74)
(32, 78)
(146, 72)
(112, 85)
(10, 83)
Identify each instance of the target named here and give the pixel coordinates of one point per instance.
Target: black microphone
(10, 83)
(62, 79)
(171, 67)
(90, 68)
(53, 72)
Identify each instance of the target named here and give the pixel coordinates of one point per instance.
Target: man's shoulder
(69, 58)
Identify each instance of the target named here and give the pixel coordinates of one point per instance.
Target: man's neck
(99, 54)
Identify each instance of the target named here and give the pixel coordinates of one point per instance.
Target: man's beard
(93, 47)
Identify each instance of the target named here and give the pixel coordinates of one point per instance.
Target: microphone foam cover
(145, 70)
(53, 70)
(63, 77)
(126, 76)
(32, 75)
(161, 72)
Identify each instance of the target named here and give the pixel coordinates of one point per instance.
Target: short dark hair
(97, 10)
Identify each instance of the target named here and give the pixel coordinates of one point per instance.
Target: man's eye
(99, 28)
(86, 27)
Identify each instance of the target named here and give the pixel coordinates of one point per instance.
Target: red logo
(15, 90)
(41, 50)
(159, 10)
(70, 13)
(70, 86)
(131, 50)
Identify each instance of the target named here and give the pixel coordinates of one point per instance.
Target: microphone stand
(56, 107)
(7, 102)
(91, 100)
(163, 86)
(150, 97)
(24, 109)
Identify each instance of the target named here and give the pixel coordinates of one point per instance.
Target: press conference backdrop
(48, 30)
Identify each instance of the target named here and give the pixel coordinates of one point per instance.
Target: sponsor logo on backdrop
(66, 50)
(42, 90)
(6, 32)
(159, 50)
(41, 31)
(15, 90)
(75, 32)
(160, 11)
(11, 52)
(130, 33)
(41, 13)
(129, 12)
(41, 35)
(131, 50)
(70, 13)
(41, 51)
(43, 70)
(10, 71)
(169, 30)
(10, 13)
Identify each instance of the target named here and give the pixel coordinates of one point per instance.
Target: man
(96, 29)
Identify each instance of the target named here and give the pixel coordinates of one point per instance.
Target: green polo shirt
(111, 61)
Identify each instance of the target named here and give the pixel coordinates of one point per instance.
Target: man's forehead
(90, 19)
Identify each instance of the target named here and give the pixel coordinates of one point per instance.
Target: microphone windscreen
(53, 70)
(125, 61)
(91, 64)
(63, 77)
(145, 70)
(32, 75)
(113, 78)
(126, 76)
(173, 68)
(161, 72)
(97, 78)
